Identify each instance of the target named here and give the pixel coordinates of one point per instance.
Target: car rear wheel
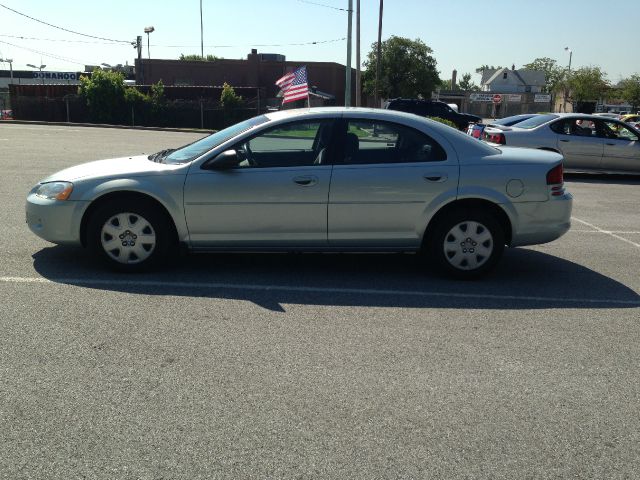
(130, 237)
(466, 244)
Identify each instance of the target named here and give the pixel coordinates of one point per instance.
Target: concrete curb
(104, 125)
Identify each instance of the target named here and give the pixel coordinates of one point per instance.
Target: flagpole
(308, 89)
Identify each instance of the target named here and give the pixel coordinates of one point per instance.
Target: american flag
(294, 85)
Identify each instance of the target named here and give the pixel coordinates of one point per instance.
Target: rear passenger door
(383, 180)
(578, 143)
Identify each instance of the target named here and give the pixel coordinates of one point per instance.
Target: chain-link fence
(201, 113)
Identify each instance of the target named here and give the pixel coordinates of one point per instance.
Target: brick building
(258, 71)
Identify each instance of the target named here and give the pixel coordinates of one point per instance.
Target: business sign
(56, 75)
(481, 97)
(514, 98)
(542, 98)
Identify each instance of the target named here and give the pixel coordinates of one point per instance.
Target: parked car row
(590, 143)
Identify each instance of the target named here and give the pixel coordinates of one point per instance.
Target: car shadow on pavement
(524, 279)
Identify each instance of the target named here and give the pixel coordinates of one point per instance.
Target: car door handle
(435, 177)
(306, 180)
(564, 140)
(610, 144)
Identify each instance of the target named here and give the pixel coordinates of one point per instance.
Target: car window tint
(536, 121)
(562, 127)
(291, 145)
(617, 131)
(371, 142)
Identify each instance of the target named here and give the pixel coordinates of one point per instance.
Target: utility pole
(378, 58)
(347, 90)
(358, 62)
(139, 47)
(201, 34)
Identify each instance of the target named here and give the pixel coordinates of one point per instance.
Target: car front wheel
(466, 244)
(129, 237)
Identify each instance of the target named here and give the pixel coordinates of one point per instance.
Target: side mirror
(224, 161)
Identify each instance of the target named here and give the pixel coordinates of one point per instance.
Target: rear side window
(536, 121)
(374, 142)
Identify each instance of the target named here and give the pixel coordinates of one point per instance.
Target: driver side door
(276, 196)
(621, 147)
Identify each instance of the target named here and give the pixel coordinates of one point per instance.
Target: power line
(62, 28)
(20, 37)
(47, 54)
(316, 42)
(323, 5)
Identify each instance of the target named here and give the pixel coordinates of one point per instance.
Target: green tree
(587, 83)
(407, 69)
(482, 68)
(553, 74)
(467, 84)
(198, 58)
(229, 100)
(156, 96)
(630, 90)
(104, 92)
(445, 84)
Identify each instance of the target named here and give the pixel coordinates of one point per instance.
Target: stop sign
(497, 98)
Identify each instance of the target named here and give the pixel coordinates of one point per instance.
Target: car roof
(463, 141)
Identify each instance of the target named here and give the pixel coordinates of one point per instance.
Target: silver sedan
(590, 143)
(323, 179)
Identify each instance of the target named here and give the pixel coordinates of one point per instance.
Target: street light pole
(378, 58)
(347, 90)
(201, 34)
(39, 68)
(358, 72)
(148, 30)
(566, 88)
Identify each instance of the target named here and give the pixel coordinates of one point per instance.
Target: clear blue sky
(463, 34)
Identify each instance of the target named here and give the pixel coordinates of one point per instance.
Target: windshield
(195, 149)
(536, 121)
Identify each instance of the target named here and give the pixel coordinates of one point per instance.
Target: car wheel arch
(472, 204)
(120, 195)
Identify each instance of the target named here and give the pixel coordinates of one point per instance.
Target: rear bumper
(542, 222)
(53, 220)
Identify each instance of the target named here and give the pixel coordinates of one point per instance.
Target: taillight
(496, 138)
(555, 178)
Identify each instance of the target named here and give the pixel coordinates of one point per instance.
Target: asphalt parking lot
(315, 366)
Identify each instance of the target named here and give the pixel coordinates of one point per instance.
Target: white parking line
(608, 232)
(290, 288)
(573, 230)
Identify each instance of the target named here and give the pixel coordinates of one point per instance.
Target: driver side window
(295, 144)
(618, 131)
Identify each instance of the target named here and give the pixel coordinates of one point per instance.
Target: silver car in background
(589, 143)
(322, 179)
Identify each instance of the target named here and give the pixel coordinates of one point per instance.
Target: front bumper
(55, 221)
(542, 222)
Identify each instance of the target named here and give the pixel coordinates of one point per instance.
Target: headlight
(55, 190)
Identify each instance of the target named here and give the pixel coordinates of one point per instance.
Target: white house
(504, 80)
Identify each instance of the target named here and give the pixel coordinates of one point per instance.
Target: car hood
(113, 167)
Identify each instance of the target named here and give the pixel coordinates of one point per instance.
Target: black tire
(147, 232)
(465, 243)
